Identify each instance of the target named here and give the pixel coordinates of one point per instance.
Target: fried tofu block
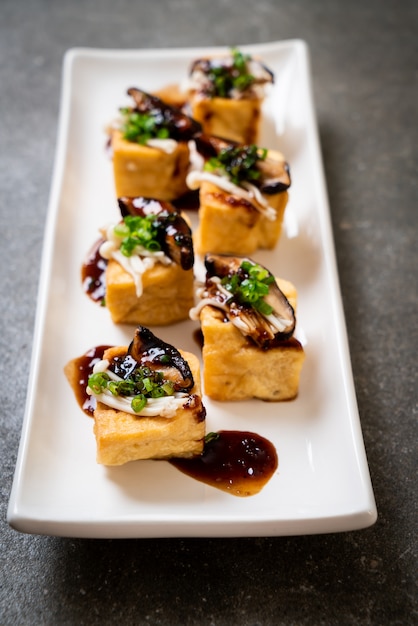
(122, 437)
(167, 295)
(236, 120)
(234, 368)
(231, 225)
(150, 172)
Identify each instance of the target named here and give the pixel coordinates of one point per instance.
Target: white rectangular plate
(322, 483)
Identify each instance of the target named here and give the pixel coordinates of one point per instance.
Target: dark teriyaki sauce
(237, 462)
(85, 366)
(93, 274)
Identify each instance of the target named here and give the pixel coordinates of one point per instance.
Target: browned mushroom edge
(148, 350)
(274, 173)
(265, 330)
(174, 234)
(181, 126)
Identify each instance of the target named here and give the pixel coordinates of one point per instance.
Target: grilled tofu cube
(166, 298)
(231, 225)
(237, 120)
(141, 170)
(122, 437)
(234, 368)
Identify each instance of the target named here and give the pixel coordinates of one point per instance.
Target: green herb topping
(249, 285)
(142, 383)
(140, 127)
(225, 78)
(211, 437)
(138, 232)
(238, 163)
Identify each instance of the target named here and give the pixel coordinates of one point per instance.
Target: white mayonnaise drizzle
(249, 192)
(197, 161)
(244, 323)
(137, 264)
(167, 145)
(162, 407)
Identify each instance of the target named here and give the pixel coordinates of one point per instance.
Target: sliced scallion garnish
(249, 285)
(138, 231)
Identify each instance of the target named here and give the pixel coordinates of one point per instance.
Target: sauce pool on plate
(237, 462)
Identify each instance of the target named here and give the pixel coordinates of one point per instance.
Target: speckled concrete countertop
(364, 66)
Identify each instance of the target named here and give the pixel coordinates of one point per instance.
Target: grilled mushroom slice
(181, 126)
(175, 235)
(139, 205)
(149, 350)
(221, 265)
(232, 76)
(265, 325)
(274, 170)
(275, 175)
(178, 242)
(210, 145)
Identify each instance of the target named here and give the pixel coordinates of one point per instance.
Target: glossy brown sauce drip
(93, 274)
(85, 364)
(240, 463)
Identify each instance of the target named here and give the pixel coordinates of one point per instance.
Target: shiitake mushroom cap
(182, 127)
(224, 265)
(147, 349)
(175, 235)
(275, 172)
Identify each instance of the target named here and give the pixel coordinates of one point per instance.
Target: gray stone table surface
(364, 57)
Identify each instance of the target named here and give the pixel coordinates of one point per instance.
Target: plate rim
(16, 516)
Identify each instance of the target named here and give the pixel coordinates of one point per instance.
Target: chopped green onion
(113, 387)
(211, 437)
(138, 232)
(121, 230)
(168, 388)
(238, 163)
(148, 385)
(141, 127)
(264, 308)
(249, 285)
(138, 403)
(141, 384)
(126, 387)
(98, 382)
(228, 77)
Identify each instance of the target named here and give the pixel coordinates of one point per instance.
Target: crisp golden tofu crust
(230, 225)
(167, 295)
(236, 369)
(144, 171)
(237, 120)
(122, 437)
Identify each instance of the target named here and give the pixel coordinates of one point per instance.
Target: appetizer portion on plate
(243, 191)
(149, 147)
(225, 94)
(247, 319)
(147, 401)
(149, 260)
